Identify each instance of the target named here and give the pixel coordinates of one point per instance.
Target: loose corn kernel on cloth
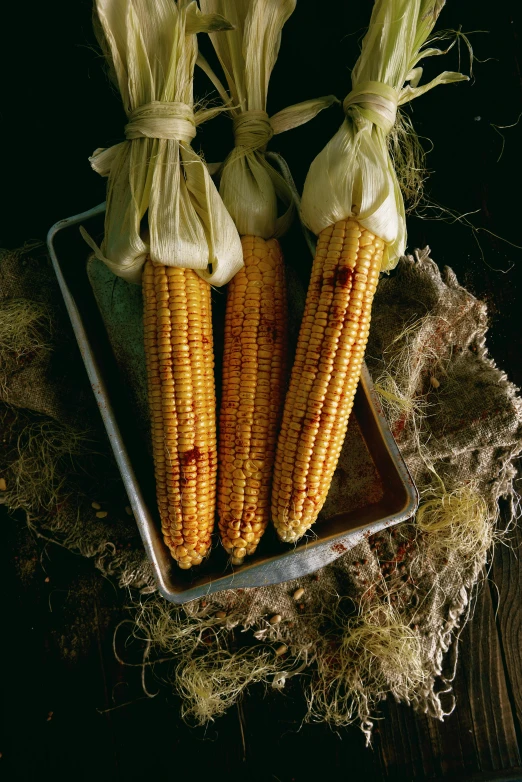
(384, 619)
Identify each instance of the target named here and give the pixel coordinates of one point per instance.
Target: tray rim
(240, 578)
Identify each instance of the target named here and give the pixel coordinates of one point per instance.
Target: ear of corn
(330, 351)
(180, 371)
(255, 335)
(354, 174)
(254, 369)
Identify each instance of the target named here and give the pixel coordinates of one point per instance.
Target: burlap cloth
(385, 616)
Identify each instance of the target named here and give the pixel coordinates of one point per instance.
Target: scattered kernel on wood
(128, 510)
(434, 382)
(3, 484)
(101, 514)
(281, 650)
(46, 580)
(275, 619)
(221, 615)
(299, 593)
(96, 505)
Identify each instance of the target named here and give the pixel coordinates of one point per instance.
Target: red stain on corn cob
(180, 370)
(326, 371)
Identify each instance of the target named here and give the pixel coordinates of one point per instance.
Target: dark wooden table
(70, 711)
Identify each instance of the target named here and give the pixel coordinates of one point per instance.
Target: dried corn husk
(155, 173)
(250, 186)
(354, 174)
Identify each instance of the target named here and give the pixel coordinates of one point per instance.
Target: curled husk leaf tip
(354, 174)
(250, 187)
(161, 200)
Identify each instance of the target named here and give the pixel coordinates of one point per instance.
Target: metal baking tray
(372, 488)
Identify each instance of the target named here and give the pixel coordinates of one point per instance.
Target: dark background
(57, 106)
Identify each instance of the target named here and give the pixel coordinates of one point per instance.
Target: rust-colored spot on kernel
(192, 456)
(205, 340)
(267, 329)
(344, 276)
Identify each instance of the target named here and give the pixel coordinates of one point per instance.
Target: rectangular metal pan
(372, 488)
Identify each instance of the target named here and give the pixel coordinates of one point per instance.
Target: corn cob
(254, 368)
(324, 378)
(180, 371)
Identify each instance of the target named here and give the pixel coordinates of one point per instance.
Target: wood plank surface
(98, 706)
(506, 591)
(479, 735)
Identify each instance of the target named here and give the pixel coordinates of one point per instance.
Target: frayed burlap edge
(362, 629)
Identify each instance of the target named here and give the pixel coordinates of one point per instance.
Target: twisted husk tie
(252, 131)
(179, 189)
(375, 101)
(162, 119)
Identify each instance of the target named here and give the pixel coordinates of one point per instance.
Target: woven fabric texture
(385, 617)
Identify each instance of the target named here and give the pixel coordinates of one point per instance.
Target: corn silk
(385, 618)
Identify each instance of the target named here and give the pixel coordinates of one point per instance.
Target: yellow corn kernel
(177, 328)
(254, 370)
(326, 371)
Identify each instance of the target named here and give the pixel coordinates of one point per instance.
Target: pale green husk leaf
(153, 48)
(250, 186)
(354, 174)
